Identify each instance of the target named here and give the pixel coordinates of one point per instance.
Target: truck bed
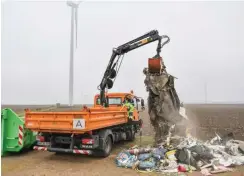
(75, 120)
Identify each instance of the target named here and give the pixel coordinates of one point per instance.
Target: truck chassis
(97, 142)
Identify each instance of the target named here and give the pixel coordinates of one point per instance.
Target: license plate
(86, 146)
(43, 143)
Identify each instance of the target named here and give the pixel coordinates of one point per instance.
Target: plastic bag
(168, 165)
(232, 148)
(238, 160)
(225, 161)
(187, 166)
(125, 159)
(202, 151)
(205, 172)
(171, 155)
(158, 153)
(147, 164)
(185, 156)
(144, 156)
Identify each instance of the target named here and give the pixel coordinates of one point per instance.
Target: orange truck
(94, 130)
(90, 130)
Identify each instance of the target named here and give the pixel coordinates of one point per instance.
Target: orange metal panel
(62, 122)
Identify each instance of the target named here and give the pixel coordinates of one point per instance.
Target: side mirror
(142, 104)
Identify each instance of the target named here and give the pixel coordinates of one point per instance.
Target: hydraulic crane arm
(111, 73)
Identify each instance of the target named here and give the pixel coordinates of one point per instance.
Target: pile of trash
(185, 154)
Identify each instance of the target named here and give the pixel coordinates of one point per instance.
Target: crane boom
(110, 72)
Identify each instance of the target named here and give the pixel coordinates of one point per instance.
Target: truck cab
(117, 100)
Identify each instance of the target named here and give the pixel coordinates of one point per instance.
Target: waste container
(14, 136)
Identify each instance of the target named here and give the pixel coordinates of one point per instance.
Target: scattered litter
(224, 168)
(221, 169)
(125, 159)
(206, 166)
(170, 171)
(188, 167)
(171, 155)
(205, 172)
(232, 148)
(241, 145)
(136, 164)
(201, 151)
(147, 164)
(168, 165)
(158, 153)
(144, 156)
(225, 162)
(216, 140)
(137, 151)
(237, 160)
(186, 155)
(182, 169)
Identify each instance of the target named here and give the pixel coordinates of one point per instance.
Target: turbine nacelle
(74, 4)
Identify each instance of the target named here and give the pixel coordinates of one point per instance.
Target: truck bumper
(40, 148)
(76, 151)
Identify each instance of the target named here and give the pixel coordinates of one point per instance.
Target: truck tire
(105, 152)
(131, 135)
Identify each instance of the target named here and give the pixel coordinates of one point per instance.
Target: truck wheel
(131, 135)
(107, 148)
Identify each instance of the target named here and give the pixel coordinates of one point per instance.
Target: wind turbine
(74, 24)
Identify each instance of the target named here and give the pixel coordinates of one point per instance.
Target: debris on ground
(189, 154)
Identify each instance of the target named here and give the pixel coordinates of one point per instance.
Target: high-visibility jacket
(130, 107)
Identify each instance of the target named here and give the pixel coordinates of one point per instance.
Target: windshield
(111, 101)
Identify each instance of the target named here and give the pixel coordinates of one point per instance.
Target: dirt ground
(35, 163)
(207, 119)
(219, 118)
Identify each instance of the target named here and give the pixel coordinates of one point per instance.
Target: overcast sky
(207, 45)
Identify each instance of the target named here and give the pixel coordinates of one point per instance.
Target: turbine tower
(74, 24)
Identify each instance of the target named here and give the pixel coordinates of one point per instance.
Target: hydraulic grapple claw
(155, 65)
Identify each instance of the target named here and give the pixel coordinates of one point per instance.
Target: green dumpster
(14, 136)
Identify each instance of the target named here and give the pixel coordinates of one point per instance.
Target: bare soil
(219, 118)
(207, 119)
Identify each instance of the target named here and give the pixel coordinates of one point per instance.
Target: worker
(128, 102)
